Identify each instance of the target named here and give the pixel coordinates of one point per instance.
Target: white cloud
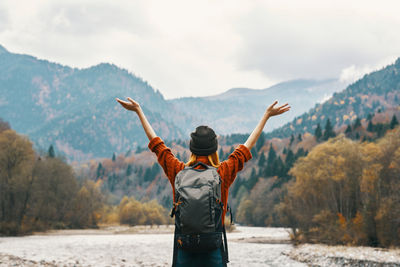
(3, 19)
(205, 47)
(353, 73)
(317, 39)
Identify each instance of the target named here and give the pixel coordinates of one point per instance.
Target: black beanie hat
(203, 142)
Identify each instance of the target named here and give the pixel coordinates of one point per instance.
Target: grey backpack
(198, 210)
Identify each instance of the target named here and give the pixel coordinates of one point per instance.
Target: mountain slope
(374, 93)
(57, 104)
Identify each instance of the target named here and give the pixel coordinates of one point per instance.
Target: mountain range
(376, 93)
(75, 109)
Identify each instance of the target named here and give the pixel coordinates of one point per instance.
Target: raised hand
(134, 106)
(129, 105)
(273, 111)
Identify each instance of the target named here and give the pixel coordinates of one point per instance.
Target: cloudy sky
(197, 48)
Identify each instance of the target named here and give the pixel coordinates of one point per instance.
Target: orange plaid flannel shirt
(227, 170)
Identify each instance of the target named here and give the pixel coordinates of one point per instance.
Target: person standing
(204, 147)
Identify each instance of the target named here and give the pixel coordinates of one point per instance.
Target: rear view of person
(200, 188)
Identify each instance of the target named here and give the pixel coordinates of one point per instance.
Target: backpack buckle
(173, 210)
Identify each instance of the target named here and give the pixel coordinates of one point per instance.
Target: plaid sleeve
(235, 163)
(170, 164)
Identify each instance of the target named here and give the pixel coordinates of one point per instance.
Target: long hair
(213, 158)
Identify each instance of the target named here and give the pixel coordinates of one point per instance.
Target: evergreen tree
(348, 130)
(148, 175)
(357, 123)
(290, 159)
(271, 155)
(261, 161)
(51, 153)
(300, 153)
(279, 168)
(393, 122)
(254, 152)
(299, 138)
(329, 132)
(370, 127)
(111, 181)
(129, 170)
(260, 142)
(113, 157)
(291, 139)
(100, 170)
(140, 172)
(318, 132)
(380, 129)
(251, 182)
(235, 187)
(270, 170)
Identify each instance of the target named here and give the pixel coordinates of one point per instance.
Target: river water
(144, 249)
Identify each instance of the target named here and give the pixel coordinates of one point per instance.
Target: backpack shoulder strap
(199, 163)
(226, 256)
(175, 250)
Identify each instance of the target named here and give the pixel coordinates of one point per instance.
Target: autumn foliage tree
(258, 208)
(346, 192)
(41, 192)
(133, 212)
(17, 159)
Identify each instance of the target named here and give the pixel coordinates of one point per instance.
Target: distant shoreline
(113, 230)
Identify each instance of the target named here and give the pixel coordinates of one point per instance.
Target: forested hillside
(374, 93)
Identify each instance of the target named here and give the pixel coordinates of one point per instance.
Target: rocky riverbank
(9, 260)
(152, 246)
(323, 255)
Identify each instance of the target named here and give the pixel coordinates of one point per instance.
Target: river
(248, 246)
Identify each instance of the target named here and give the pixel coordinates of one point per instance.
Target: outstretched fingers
(284, 108)
(273, 104)
(125, 104)
(120, 101)
(131, 100)
(287, 104)
(272, 110)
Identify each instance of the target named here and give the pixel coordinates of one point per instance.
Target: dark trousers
(205, 259)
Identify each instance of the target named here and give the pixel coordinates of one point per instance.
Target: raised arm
(134, 106)
(271, 111)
